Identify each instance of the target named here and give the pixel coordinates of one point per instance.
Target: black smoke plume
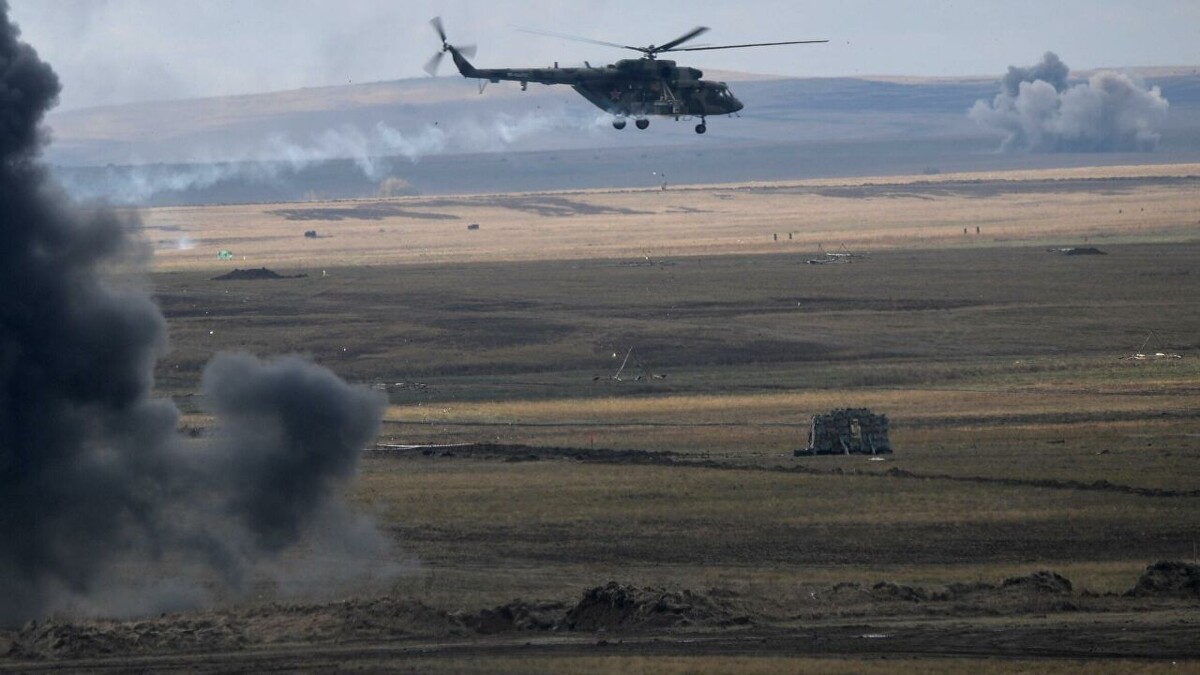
(1039, 111)
(94, 480)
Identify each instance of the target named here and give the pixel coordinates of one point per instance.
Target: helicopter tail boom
(464, 66)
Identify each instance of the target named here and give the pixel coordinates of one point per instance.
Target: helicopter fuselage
(628, 88)
(636, 88)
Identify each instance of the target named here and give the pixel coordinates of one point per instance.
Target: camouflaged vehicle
(847, 431)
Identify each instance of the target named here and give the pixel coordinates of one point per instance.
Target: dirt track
(1037, 615)
(1166, 636)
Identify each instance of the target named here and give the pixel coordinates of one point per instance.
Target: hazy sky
(118, 51)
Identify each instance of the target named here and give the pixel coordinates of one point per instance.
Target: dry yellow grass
(693, 220)
(615, 499)
(1134, 432)
(782, 407)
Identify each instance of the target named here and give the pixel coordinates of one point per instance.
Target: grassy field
(1063, 207)
(993, 358)
(1025, 439)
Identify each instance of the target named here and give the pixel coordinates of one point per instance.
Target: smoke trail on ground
(94, 479)
(279, 157)
(1039, 111)
(350, 142)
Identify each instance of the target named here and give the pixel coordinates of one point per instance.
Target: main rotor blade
(698, 30)
(431, 66)
(576, 38)
(436, 22)
(756, 44)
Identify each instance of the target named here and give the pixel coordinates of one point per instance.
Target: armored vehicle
(847, 431)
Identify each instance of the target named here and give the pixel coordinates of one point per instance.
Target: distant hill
(442, 135)
(253, 126)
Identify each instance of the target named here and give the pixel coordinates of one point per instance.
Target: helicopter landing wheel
(701, 128)
(642, 123)
(619, 124)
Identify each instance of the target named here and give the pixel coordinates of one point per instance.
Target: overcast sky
(120, 51)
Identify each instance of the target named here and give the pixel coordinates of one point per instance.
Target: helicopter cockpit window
(719, 95)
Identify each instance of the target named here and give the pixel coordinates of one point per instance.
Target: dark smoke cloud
(291, 434)
(93, 475)
(1051, 70)
(1039, 111)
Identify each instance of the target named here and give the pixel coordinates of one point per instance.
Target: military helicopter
(629, 88)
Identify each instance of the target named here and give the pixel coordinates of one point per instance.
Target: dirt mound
(1038, 588)
(888, 591)
(356, 619)
(959, 591)
(619, 607)
(1040, 583)
(1168, 579)
(254, 275)
(884, 591)
(63, 639)
(517, 615)
(353, 619)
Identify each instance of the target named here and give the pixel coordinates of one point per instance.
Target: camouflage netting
(848, 431)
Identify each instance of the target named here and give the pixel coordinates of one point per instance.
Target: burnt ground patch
(255, 274)
(360, 211)
(473, 305)
(878, 304)
(658, 353)
(710, 309)
(802, 544)
(550, 206)
(490, 331)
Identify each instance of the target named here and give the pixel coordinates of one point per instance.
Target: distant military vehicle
(847, 431)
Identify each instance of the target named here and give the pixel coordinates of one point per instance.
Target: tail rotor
(435, 62)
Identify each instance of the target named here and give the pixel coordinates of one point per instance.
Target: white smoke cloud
(1038, 111)
(279, 156)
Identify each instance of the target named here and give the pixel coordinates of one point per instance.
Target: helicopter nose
(737, 105)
